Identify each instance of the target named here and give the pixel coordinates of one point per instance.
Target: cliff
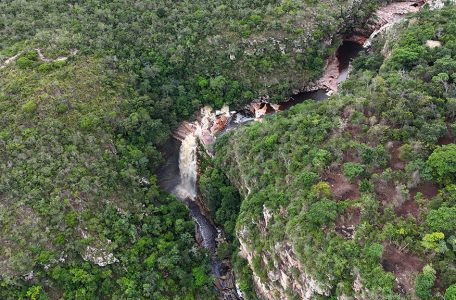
(342, 198)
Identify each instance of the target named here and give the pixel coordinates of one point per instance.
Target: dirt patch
(408, 208)
(448, 138)
(428, 189)
(353, 130)
(403, 265)
(395, 162)
(346, 222)
(340, 185)
(351, 155)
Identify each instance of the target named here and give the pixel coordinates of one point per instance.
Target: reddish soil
(351, 155)
(341, 187)
(395, 162)
(346, 222)
(353, 130)
(408, 208)
(403, 265)
(359, 37)
(428, 189)
(448, 138)
(411, 207)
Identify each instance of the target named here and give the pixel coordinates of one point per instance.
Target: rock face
(285, 274)
(331, 75)
(278, 272)
(97, 253)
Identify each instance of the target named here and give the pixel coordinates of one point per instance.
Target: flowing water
(188, 174)
(179, 175)
(345, 54)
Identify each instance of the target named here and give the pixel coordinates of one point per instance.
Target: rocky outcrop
(97, 252)
(285, 274)
(41, 57)
(9, 60)
(330, 77)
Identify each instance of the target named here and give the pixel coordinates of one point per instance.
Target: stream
(179, 175)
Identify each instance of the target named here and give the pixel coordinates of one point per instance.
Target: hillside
(354, 197)
(89, 92)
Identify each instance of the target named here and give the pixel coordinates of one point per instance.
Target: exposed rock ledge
(282, 278)
(41, 57)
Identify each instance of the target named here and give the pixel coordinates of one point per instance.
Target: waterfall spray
(187, 168)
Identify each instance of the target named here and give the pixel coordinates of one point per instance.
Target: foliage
(442, 219)
(322, 212)
(352, 170)
(326, 166)
(434, 241)
(443, 163)
(93, 93)
(424, 283)
(450, 293)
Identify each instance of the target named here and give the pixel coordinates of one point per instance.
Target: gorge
(228, 149)
(179, 176)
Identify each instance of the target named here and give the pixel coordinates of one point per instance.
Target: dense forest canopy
(89, 90)
(363, 183)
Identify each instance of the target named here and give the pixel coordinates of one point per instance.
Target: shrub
(434, 241)
(442, 219)
(89, 122)
(24, 62)
(424, 283)
(443, 163)
(322, 189)
(322, 212)
(29, 107)
(307, 178)
(61, 108)
(450, 293)
(353, 170)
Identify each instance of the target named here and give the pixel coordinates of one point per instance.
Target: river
(179, 175)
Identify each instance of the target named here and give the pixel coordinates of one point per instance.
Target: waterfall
(187, 168)
(381, 30)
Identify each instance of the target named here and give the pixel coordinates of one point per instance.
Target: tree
(442, 161)
(353, 170)
(451, 107)
(322, 212)
(322, 189)
(424, 283)
(450, 293)
(434, 241)
(442, 219)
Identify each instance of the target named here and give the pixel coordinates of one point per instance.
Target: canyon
(180, 174)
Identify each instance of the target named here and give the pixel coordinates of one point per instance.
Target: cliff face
(285, 274)
(340, 196)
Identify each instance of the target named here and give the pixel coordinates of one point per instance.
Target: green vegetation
(378, 158)
(450, 293)
(81, 215)
(443, 163)
(80, 135)
(425, 282)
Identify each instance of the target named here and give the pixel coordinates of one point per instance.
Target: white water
(187, 168)
(381, 30)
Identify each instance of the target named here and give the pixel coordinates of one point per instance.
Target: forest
(90, 92)
(360, 186)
